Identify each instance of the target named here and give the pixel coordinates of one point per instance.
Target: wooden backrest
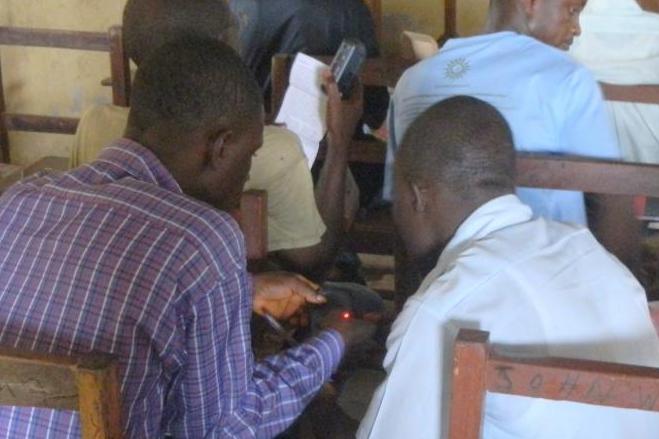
(654, 315)
(477, 369)
(376, 12)
(110, 42)
(587, 175)
(253, 220)
(640, 94)
(85, 383)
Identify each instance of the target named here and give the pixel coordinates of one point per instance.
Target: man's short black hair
(150, 24)
(462, 143)
(193, 82)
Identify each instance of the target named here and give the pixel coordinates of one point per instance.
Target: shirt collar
(140, 163)
(496, 214)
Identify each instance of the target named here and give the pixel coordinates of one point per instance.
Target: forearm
(284, 384)
(330, 194)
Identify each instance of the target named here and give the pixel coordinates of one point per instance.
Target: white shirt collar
(496, 214)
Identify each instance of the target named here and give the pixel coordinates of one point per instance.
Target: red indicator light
(346, 315)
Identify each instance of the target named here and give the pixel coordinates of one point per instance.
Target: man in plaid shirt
(134, 255)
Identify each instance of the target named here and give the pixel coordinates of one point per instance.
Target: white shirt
(542, 287)
(620, 44)
(553, 105)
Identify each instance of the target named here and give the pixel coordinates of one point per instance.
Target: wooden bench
(110, 42)
(85, 383)
(477, 369)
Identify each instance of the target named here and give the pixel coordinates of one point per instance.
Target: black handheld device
(346, 65)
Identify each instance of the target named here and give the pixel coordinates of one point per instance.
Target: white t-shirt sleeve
(587, 129)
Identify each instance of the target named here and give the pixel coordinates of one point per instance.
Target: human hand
(353, 330)
(342, 115)
(282, 295)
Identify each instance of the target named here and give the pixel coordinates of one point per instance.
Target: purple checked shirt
(113, 257)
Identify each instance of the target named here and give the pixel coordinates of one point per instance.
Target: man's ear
(420, 200)
(217, 147)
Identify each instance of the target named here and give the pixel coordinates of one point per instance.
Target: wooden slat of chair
(85, 383)
(640, 94)
(253, 220)
(110, 42)
(478, 369)
(376, 12)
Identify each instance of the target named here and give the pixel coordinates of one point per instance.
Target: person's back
(552, 104)
(539, 287)
(104, 255)
(620, 44)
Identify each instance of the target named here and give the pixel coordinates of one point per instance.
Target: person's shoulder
(204, 230)
(213, 233)
(280, 154)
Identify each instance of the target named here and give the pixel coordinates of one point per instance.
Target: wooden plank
(590, 382)
(33, 380)
(593, 176)
(470, 356)
(40, 124)
(63, 39)
(50, 162)
(253, 219)
(640, 94)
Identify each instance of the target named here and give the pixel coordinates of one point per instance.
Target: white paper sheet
(305, 105)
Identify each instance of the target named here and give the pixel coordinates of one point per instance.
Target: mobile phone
(347, 64)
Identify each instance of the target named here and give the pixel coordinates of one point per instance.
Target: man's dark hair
(462, 143)
(150, 24)
(190, 83)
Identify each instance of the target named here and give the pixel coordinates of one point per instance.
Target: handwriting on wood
(589, 386)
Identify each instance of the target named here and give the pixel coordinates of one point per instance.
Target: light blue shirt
(553, 104)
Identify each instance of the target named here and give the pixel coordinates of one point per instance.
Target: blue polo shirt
(553, 105)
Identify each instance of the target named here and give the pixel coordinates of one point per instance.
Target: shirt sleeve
(412, 402)
(587, 129)
(222, 392)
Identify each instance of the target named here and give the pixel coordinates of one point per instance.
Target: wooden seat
(477, 370)
(85, 383)
(110, 42)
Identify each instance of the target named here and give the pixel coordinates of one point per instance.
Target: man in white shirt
(536, 285)
(620, 44)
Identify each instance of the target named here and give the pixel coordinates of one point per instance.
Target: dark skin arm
(342, 118)
(612, 220)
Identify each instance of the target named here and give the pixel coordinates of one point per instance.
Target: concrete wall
(63, 83)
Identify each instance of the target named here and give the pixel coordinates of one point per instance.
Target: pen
(274, 324)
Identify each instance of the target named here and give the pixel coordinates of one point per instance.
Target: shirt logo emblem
(457, 68)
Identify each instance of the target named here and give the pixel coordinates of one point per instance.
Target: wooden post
(98, 399)
(4, 136)
(469, 384)
(120, 67)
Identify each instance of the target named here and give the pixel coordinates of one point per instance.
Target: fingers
(309, 290)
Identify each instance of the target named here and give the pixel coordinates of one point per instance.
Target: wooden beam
(41, 124)
(63, 39)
